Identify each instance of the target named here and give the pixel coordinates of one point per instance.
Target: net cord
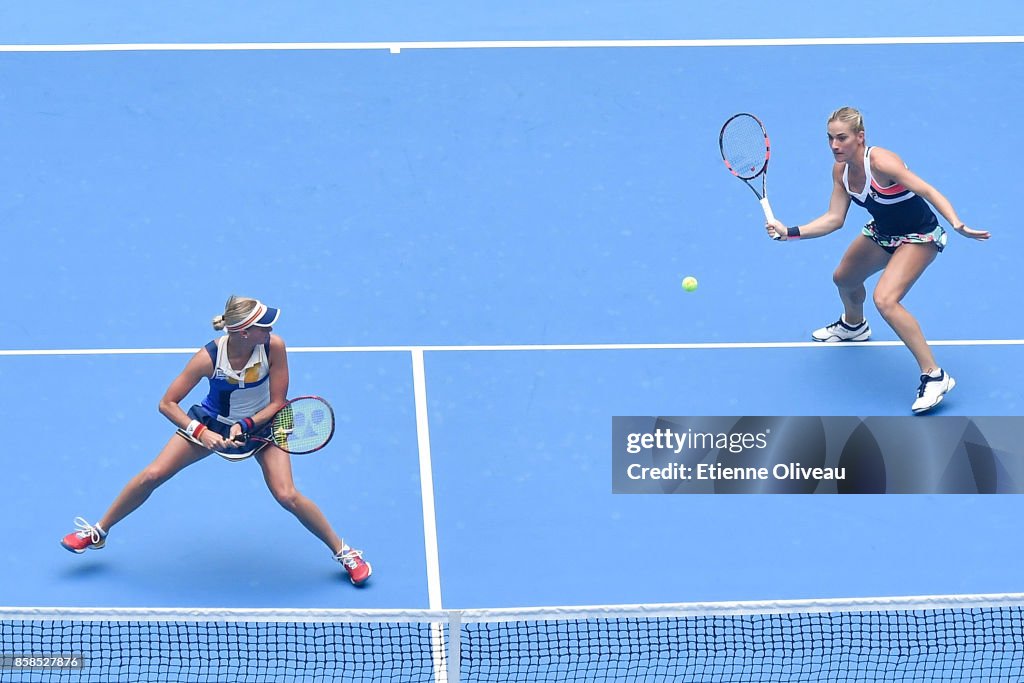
(566, 613)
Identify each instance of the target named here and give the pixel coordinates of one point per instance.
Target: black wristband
(793, 233)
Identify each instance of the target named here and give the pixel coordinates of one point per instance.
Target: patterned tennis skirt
(891, 242)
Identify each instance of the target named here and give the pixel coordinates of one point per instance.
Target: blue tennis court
(484, 245)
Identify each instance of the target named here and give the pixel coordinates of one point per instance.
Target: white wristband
(191, 429)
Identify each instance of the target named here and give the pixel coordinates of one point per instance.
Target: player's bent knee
(151, 477)
(287, 497)
(885, 302)
(843, 279)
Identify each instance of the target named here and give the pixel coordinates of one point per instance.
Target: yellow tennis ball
(689, 283)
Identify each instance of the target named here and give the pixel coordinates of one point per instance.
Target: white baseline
(397, 46)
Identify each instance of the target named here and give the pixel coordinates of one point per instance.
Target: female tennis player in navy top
(247, 369)
(902, 239)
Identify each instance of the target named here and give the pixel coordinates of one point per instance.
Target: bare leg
(175, 456)
(277, 471)
(905, 267)
(863, 258)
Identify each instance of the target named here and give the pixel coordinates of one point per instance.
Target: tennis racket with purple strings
(746, 150)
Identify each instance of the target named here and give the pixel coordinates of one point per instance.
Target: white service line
(397, 46)
(523, 347)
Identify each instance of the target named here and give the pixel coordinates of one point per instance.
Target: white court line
(426, 481)
(522, 347)
(419, 382)
(397, 46)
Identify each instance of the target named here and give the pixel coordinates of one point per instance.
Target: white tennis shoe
(840, 331)
(931, 391)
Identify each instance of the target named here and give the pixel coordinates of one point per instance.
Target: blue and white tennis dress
(234, 394)
(899, 216)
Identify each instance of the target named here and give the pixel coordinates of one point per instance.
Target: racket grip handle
(767, 208)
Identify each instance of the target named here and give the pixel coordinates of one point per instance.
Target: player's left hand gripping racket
(303, 425)
(746, 151)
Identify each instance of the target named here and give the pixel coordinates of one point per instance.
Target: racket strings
(303, 426)
(745, 146)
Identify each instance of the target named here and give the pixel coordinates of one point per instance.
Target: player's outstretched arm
(888, 163)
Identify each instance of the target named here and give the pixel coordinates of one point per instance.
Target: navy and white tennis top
(235, 394)
(896, 210)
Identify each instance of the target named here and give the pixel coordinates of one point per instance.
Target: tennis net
(939, 638)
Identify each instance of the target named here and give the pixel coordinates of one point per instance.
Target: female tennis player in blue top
(902, 239)
(247, 369)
